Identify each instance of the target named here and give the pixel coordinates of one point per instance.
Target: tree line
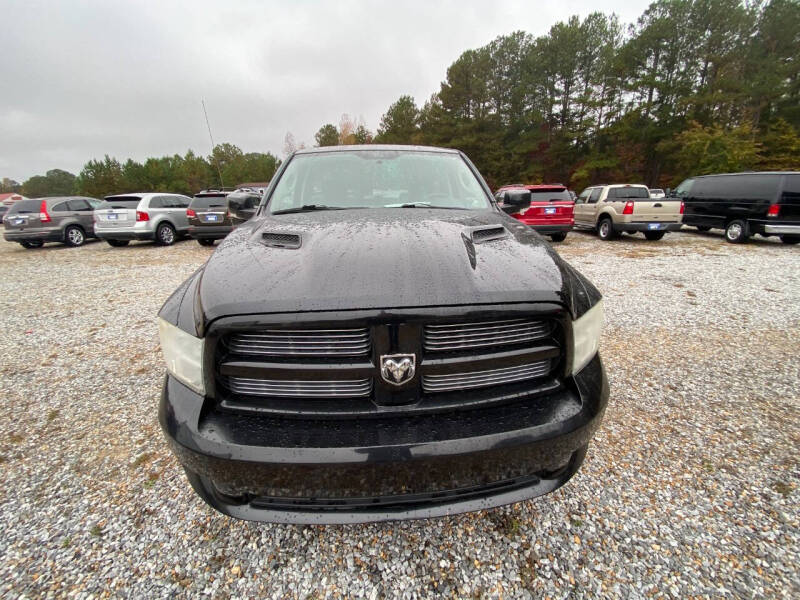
(693, 87)
(227, 165)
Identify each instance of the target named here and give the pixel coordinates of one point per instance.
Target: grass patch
(15, 438)
(575, 522)
(97, 530)
(784, 489)
(51, 416)
(142, 459)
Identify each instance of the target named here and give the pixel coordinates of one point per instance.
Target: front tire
(118, 243)
(790, 239)
(74, 236)
(654, 236)
(736, 232)
(165, 235)
(558, 237)
(605, 229)
(31, 245)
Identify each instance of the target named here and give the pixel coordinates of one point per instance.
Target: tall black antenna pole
(221, 183)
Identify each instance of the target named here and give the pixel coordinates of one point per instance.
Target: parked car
(3, 210)
(550, 212)
(380, 342)
(66, 219)
(657, 193)
(213, 214)
(612, 209)
(143, 216)
(743, 204)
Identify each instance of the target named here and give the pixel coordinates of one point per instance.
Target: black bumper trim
(551, 229)
(629, 227)
(212, 232)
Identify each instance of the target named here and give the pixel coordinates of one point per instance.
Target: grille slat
(467, 336)
(477, 379)
(351, 388)
(302, 342)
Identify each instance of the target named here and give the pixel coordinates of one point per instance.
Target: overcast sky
(84, 79)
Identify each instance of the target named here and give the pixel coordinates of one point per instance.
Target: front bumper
(292, 470)
(632, 227)
(209, 232)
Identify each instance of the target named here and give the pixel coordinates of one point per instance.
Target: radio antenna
(221, 183)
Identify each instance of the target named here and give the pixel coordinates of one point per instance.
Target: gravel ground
(689, 489)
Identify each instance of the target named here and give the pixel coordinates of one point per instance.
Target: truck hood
(382, 259)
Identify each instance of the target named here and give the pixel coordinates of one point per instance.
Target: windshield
(120, 202)
(215, 201)
(539, 194)
(25, 207)
(628, 192)
(377, 179)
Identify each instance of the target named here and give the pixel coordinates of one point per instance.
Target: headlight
(184, 355)
(586, 336)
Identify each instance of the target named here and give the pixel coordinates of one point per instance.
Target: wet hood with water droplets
(379, 259)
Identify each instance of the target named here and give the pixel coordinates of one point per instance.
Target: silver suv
(159, 217)
(58, 219)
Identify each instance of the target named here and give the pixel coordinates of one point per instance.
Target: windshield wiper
(422, 205)
(308, 208)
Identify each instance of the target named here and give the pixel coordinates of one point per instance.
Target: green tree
(399, 123)
(327, 135)
(55, 182)
(100, 178)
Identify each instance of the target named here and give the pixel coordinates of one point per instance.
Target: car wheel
(29, 245)
(703, 228)
(205, 242)
(654, 236)
(605, 229)
(165, 235)
(790, 239)
(736, 232)
(74, 236)
(558, 237)
(118, 243)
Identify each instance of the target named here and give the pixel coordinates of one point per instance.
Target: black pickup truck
(380, 341)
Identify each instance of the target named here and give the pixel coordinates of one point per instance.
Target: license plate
(212, 217)
(549, 211)
(17, 221)
(654, 225)
(113, 217)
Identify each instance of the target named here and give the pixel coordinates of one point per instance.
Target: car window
(583, 196)
(539, 195)
(79, 205)
(25, 207)
(791, 189)
(179, 201)
(60, 207)
(754, 187)
(157, 202)
(130, 202)
(208, 201)
(628, 192)
(684, 188)
(595, 195)
(378, 179)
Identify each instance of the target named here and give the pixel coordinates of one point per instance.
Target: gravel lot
(690, 488)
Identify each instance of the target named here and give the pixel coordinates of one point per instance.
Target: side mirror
(515, 201)
(241, 207)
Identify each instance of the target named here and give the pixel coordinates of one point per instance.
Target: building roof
(12, 197)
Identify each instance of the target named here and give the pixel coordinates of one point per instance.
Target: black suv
(742, 204)
(213, 214)
(380, 342)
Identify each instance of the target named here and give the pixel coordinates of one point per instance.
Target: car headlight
(184, 355)
(586, 336)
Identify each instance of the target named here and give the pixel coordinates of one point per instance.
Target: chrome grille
(466, 336)
(346, 388)
(302, 342)
(478, 379)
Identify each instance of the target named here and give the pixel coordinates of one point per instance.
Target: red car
(551, 210)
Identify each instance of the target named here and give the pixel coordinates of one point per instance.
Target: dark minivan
(213, 214)
(744, 204)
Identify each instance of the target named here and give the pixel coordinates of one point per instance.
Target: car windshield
(377, 179)
(544, 194)
(209, 201)
(628, 192)
(25, 207)
(120, 202)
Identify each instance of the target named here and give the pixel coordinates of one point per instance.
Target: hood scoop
(488, 233)
(277, 239)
